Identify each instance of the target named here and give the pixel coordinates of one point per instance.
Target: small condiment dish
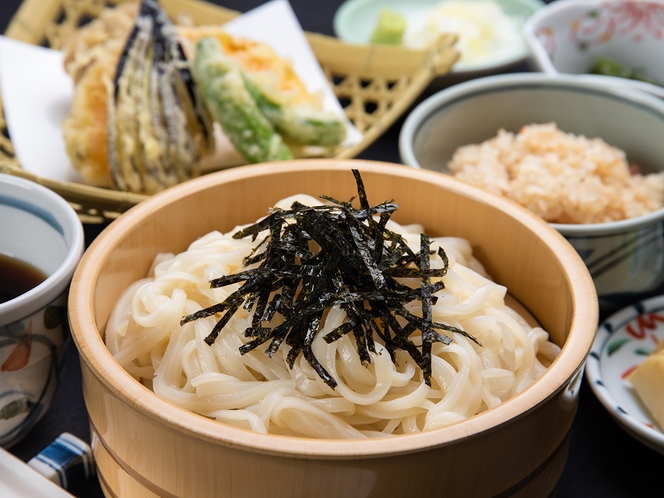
(37, 227)
(624, 257)
(566, 37)
(355, 21)
(623, 341)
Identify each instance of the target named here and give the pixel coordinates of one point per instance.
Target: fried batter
(91, 56)
(91, 59)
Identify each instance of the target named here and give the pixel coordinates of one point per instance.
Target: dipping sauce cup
(39, 234)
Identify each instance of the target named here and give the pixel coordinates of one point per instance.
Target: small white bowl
(625, 258)
(355, 21)
(37, 226)
(566, 36)
(623, 341)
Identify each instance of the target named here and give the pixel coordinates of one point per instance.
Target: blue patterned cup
(625, 258)
(37, 228)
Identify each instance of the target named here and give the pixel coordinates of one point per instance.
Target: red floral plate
(623, 341)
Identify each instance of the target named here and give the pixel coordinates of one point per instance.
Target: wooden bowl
(145, 446)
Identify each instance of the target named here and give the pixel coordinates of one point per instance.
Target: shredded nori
(354, 265)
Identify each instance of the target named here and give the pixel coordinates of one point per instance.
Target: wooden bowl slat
(469, 468)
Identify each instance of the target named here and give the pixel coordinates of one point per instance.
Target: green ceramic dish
(355, 21)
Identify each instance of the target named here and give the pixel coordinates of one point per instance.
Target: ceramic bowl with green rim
(489, 30)
(625, 258)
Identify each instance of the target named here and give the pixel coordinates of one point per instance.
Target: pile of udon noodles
(381, 398)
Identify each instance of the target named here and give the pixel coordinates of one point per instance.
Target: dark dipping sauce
(17, 277)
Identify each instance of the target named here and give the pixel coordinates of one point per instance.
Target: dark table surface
(604, 461)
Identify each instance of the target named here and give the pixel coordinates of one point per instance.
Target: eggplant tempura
(157, 128)
(141, 121)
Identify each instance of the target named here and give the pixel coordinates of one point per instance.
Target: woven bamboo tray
(375, 84)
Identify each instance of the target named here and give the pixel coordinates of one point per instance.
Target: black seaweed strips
(317, 257)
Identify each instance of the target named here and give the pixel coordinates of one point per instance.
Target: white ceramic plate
(18, 480)
(355, 21)
(623, 341)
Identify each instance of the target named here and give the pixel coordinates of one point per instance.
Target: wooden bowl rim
(97, 357)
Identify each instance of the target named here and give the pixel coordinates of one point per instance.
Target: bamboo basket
(375, 84)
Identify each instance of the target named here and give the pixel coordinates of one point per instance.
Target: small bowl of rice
(584, 156)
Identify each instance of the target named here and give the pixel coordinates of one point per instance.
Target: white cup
(37, 227)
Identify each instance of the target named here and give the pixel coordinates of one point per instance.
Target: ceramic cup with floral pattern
(37, 228)
(567, 37)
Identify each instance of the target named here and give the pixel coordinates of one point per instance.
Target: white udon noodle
(263, 394)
